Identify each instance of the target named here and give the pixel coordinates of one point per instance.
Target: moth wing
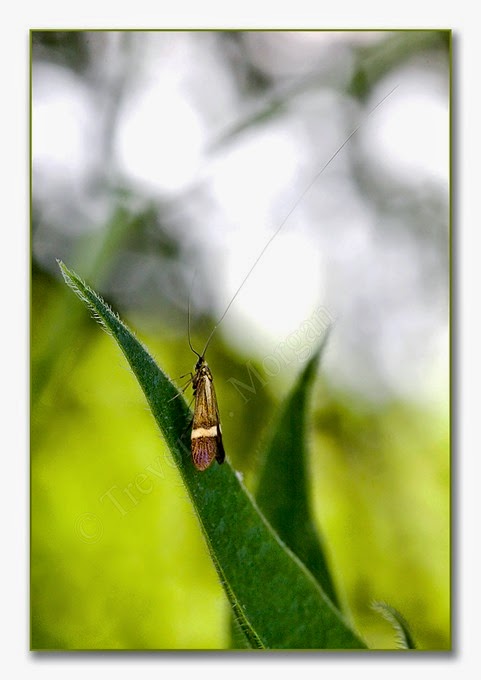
(220, 453)
(204, 450)
(206, 413)
(206, 447)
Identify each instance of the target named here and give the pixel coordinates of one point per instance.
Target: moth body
(206, 435)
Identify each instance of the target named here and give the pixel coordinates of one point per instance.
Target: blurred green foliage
(381, 481)
(116, 550)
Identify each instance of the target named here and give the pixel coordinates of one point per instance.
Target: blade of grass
(282, 491)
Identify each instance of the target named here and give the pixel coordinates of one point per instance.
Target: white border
(14, 280)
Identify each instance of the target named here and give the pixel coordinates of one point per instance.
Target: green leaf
(275, 600)
(238, 639)
(404, 638)
(282, 492)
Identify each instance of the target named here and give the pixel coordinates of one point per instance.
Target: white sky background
(336, 249)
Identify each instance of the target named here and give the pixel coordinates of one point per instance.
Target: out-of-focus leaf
(404, 637)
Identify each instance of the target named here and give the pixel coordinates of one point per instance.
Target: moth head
(200, 364)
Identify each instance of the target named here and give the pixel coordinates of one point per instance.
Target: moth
(206, 434)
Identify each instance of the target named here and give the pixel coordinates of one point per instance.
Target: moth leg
(184, 387)
(189, 381)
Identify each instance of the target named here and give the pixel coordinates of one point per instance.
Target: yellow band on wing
(204, 432)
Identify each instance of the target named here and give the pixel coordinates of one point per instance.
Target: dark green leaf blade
(282, 492)
(275, 600)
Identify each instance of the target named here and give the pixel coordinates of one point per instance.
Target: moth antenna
(188, 317)
(294, 206)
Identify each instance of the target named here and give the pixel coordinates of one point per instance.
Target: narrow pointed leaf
(404, 637)
(275, 600)
(282, 493)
